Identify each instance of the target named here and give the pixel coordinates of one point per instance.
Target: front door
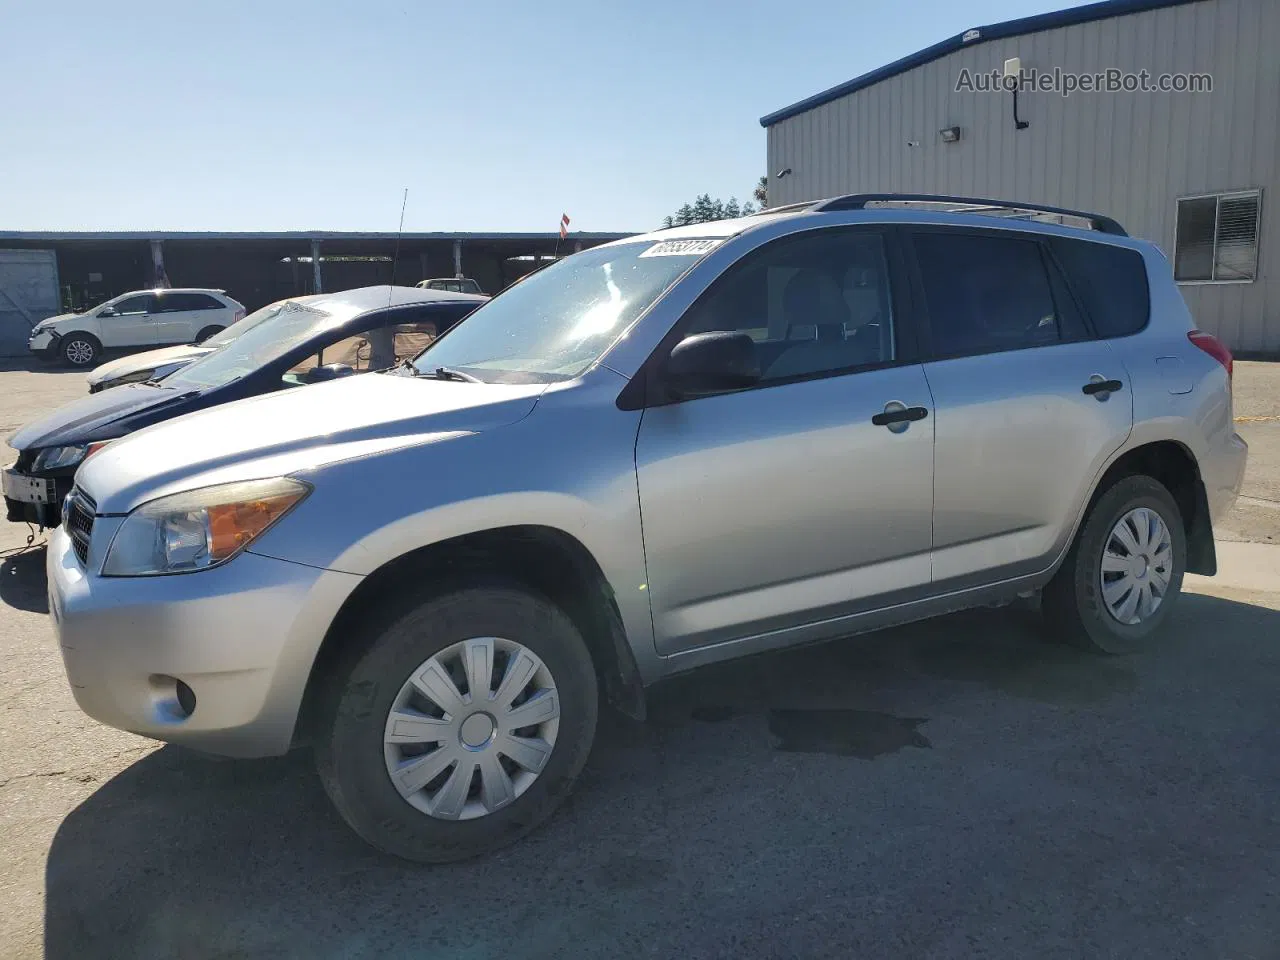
(1024, 420)
(130, 325)
(779, 509)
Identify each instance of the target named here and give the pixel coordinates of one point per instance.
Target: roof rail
(1008, 208)
(785, 208)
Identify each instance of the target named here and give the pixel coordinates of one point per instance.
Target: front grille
(79, 522)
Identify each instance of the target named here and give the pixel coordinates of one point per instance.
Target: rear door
(180, 317)
(772, 513)
(1029, 404)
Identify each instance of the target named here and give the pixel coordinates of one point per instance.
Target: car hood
(138, 362)
(293, 431)
(88, 418)
(49, 321)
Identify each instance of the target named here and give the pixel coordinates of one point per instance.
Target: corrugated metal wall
(1130, 155)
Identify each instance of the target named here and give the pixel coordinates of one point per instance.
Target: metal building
(1192, 171)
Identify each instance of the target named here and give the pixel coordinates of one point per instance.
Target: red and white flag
(564, 225)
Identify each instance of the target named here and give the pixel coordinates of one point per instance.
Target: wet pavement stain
(847, 733)
(713, 714)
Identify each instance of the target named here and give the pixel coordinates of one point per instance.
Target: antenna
(395, 257)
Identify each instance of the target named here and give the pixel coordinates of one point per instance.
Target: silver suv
(669, 451)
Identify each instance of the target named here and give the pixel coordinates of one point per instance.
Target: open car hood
(92, 417)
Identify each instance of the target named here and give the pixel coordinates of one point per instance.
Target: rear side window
(173, 302)
(985, 293)
(1111, 281)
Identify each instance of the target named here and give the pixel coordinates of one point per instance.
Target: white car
(143, 318)
(451, 284)
(158, 364)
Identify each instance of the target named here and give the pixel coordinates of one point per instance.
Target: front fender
(569, 467)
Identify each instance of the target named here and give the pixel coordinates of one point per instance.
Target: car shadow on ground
(23, 584)
(755, 790)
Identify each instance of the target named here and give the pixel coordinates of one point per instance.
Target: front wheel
(80, 349)
(1123, 573)
(462, 727)
(208, 332)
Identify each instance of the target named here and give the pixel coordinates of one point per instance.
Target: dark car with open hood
(308, 340)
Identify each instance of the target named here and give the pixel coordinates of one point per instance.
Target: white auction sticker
(682, 248)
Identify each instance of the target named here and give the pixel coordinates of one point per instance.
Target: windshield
(557, 322)
(244, 326)
(270, 339)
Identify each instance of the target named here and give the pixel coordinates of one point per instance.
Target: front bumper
(43, 344)
(241, 637)
(32, 499)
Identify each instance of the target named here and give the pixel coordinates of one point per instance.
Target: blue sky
(275, 115)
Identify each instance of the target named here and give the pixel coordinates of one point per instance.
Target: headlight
(55, 458)
(59, 458)
(199, 529)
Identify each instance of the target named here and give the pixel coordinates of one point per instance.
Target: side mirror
(330, 371)
(708, 363)
(107, 312)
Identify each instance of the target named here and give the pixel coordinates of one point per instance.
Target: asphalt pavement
(955, 788)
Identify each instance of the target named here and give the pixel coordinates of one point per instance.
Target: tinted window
(985, 294)
(814, 303)
(139, 304)
(1111, 281)
(173, 302)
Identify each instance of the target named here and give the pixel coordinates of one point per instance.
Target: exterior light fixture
(949, 134)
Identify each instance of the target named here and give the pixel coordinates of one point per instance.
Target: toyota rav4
(660, 453)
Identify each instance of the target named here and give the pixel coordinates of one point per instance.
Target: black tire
(1072, 603)
(208, 332)
(349, 743)
(80, 349)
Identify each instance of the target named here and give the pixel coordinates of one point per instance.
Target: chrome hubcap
(472, 728)
(1137, 565)
(79, 352)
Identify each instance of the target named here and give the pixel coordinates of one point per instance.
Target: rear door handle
(899, 415)
(1102, 386)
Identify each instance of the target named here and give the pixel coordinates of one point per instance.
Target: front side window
(814, 303)
(133, 305)
(1217, 238)
(985, 294)
(555, 324)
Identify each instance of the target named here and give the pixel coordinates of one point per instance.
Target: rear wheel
(462, 727)
(208, 332)
(80, 349)
(1123, 573)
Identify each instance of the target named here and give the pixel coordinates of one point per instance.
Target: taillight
(237, 316)
(1213, 347)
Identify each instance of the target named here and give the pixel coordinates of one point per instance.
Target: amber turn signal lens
(232, 525)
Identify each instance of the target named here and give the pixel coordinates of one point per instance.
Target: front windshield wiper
(449, 373)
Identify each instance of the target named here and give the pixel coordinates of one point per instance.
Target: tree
(704, 210)
(761, 192)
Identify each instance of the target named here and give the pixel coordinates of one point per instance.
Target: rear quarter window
(1111, 281)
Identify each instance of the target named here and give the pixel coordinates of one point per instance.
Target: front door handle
(895, 414)
(1102, 386)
